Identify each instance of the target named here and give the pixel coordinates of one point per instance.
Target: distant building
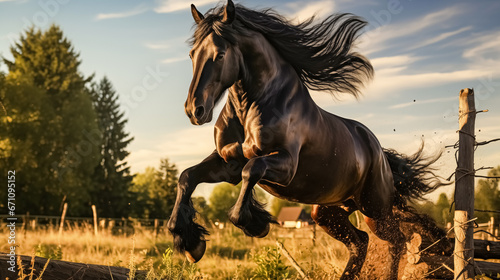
(294, 217)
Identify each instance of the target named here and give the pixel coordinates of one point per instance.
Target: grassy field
(230, 254)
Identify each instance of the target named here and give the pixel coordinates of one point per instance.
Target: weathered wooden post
(464, 188)
(491, 229)
(63, 216)
(155, 233)
(94, 211)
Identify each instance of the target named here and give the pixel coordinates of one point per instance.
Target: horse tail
(414, 177)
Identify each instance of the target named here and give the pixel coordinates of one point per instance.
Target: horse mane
(320, 52)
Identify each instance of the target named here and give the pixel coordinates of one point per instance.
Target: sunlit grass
(230, 254)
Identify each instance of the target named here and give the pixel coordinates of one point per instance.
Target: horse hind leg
(387, 228)
(335, 221)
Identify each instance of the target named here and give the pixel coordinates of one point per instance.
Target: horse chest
(247, 138)
(248, 145)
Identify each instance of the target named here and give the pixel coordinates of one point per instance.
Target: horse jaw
(196, 254)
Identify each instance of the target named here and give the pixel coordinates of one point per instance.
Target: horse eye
(220, 56)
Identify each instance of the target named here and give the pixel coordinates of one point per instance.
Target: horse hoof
(264, 232)
(257, 235)
(196, 254)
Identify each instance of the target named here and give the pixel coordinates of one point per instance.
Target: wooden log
(427, 259)
(464, 188)
(62, 270)
(423, 246)
(483, 249)
(441, 267)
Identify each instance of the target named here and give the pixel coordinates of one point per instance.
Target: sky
(423, 53)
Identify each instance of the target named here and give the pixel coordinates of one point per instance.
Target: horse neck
(264, 72)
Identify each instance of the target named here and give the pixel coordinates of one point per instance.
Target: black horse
(271, 132)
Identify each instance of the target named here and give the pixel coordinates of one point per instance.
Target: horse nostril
(200, 111)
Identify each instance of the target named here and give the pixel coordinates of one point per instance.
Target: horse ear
(196, 14)
(229, 13)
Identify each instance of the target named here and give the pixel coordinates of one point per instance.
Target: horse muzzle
(200, 116)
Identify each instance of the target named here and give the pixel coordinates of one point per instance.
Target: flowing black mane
(320, 52)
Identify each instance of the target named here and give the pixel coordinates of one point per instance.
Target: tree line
(486, 197)
(64, 135)
(62, 132)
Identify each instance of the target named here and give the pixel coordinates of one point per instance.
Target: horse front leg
(247, 213)
(189, 237)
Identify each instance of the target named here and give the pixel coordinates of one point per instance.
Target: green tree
(111, 176)
(442, 213)
(49, 61)
(201, 206)
(487, 197)
(154, 191)
(222, 198)
(166, 179)
(142, 190)
(46, 133)
(439, 211)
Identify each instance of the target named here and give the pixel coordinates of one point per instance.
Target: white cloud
(302, 11)
(172, 43)
(136, 11)
(390, 78)
(378, 38)
(168, 6)
(384, 84)
(441, 37)
(157, 46)
(420, 102)
(485, 44)
(392, 61)
(184, 147)
(174, 59)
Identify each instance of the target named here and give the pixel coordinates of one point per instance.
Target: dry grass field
(230, 254)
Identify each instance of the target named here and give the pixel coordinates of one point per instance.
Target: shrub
(270, 265)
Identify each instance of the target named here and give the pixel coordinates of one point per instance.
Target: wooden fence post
(157, 223)
(491, 229)
(94, 211)
(464, 188)
(63, 216)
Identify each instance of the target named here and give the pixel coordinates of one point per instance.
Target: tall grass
(230, 254)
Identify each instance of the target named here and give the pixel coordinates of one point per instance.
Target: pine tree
(166, 180)
(111, 177)
(49, 60)
(49, 131)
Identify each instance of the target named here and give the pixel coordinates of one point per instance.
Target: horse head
(216, 63)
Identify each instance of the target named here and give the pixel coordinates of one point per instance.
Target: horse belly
(325, 183)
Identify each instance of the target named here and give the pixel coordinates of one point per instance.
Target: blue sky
(423, 52)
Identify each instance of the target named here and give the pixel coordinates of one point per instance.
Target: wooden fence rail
(35, 222)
